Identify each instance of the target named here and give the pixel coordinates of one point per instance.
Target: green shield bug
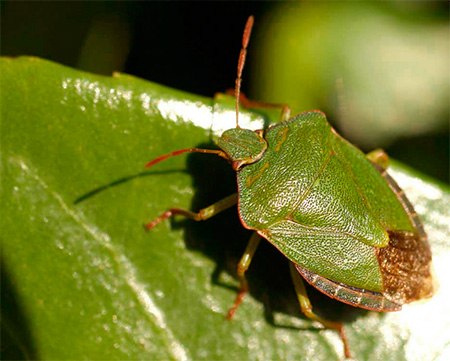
(334, 212)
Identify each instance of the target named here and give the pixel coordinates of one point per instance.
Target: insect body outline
(334, 212)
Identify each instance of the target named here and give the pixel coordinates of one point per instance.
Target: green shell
(243, 146)
(320, 202)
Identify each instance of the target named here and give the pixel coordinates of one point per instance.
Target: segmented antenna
(189, 150)
(241, 62)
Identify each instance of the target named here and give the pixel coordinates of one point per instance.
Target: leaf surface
(81, 279)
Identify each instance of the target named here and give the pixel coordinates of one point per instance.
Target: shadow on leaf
(223, 239)
(16, 342)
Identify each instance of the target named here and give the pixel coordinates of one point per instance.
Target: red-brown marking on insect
(369, 300)
(334, 132)
(406, 261)
(260, 133)
(251, 180)
(241, 63)
(405, 265)
(283, 133)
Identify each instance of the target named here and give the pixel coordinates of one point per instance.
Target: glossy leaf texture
(81, 279)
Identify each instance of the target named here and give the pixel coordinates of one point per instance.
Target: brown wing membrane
(351, 295)
(406, 261)
(405, 264)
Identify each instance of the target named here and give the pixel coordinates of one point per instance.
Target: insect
(335, 213)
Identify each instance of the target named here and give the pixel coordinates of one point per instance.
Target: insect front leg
(306, 307)
(253, 104)
(378, 156)
(243, 266)
(202, 215)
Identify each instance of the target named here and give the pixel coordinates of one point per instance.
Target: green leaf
(81, 279)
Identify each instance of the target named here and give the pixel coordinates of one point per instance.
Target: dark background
(192, 46)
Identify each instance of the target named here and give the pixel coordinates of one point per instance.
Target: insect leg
(306, 307)
(202, 215)
(252, 104)
(378, 156)
(243, 265)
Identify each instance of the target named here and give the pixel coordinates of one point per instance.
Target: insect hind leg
(306, 307)
(378, 156)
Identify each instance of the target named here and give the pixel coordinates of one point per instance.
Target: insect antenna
(240, 67)
(188, 150)
(241, 62)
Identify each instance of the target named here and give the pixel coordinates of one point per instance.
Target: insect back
(332, 212)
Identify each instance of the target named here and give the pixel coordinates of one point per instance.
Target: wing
(357, 297)
(406, 261)
(329, 210)
(380, 279)
(397, 273)
(330, 254)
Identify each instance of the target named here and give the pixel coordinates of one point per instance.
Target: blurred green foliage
(383, 77)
